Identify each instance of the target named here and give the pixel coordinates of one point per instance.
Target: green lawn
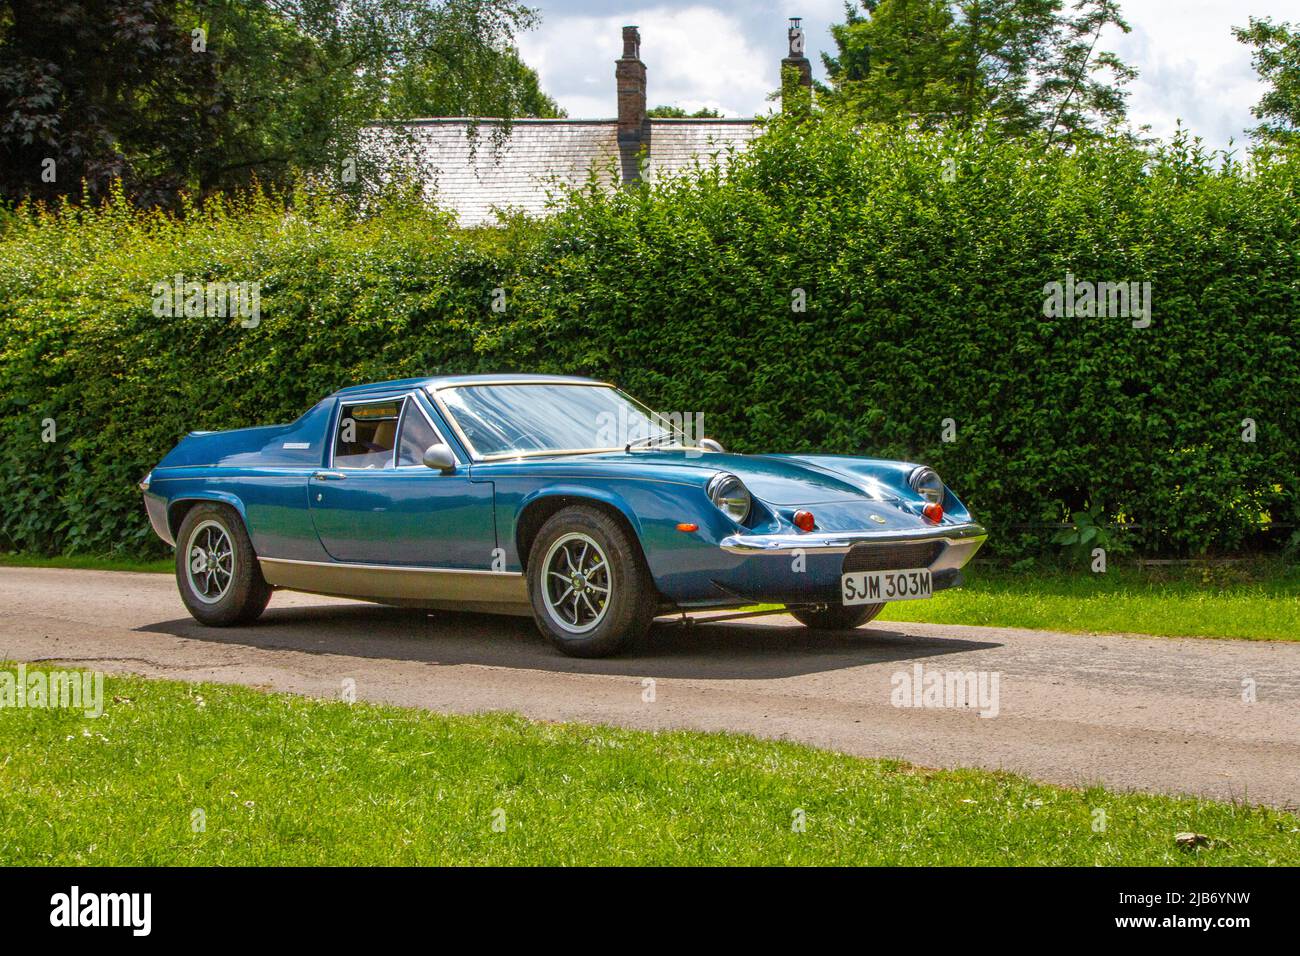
(287, 780)
(1257, 601)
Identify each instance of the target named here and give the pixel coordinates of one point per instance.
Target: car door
(377, 503)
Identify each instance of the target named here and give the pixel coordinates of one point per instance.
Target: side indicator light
(687, 526)
(804, 520)
(933, 511)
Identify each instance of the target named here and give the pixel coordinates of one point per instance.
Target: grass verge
(1253, 601)
(86, 562)
(277, 779)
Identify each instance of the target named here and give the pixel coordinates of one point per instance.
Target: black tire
(245, 592)
(837, 617)
(596, 630)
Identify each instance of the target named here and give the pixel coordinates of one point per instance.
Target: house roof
(479, 166)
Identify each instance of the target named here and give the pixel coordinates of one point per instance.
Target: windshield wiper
(647, 439)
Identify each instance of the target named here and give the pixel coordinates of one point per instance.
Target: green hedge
(923, 260)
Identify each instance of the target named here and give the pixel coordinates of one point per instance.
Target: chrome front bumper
(960, 542)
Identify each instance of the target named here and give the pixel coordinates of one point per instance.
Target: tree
(501, 85)
(1082, 86)
(1001, 45)
(1026, 64)
(304, 78)
(98, 90)
(897, 62)
(198, 96)
(1276, 58)
(676, 112)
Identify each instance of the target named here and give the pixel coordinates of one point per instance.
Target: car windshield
(546, 418)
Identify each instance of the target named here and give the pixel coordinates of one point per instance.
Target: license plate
(874, 587)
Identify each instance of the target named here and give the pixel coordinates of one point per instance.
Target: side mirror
(708, 444)
(440, 458)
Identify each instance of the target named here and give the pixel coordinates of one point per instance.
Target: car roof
(445, 380)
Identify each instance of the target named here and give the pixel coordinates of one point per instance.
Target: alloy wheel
(210, 562)
(577, 585)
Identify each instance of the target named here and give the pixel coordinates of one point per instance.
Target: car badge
(877, 519)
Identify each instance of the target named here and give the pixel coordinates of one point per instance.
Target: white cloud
(695, 56)
(1191, 67)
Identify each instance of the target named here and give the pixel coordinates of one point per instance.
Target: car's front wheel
(591, 592)
(837, 617)
(216, 568)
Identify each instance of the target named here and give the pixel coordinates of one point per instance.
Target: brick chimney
(796, 73)
(629, 72)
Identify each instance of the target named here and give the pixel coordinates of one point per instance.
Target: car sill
(500, 592)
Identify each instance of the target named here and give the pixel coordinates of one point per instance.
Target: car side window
(367, 435)
(417, 435)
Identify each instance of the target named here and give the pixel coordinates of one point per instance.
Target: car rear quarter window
(367, 434)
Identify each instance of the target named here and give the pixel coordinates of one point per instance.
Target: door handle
(329, 475)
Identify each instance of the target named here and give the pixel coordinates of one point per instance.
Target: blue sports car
(558, 497)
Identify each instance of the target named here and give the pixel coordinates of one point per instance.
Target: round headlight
(927, 483)
(730, 494)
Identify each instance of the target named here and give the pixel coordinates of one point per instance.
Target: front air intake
(891, 557)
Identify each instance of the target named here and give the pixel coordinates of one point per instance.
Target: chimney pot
(796, 37)
(631, 43)
(796, 72)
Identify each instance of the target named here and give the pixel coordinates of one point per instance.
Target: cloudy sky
(725, 54)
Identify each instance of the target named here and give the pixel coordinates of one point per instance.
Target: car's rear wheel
(837, 617)
(588, 583)
(216, 568)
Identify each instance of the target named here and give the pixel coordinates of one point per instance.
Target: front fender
(579, 490)
(681, 562)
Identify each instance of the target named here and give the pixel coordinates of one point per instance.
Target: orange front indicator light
(933, 511)
(804, 520)
(687, 526)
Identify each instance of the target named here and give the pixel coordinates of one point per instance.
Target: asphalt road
(1136, 713)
